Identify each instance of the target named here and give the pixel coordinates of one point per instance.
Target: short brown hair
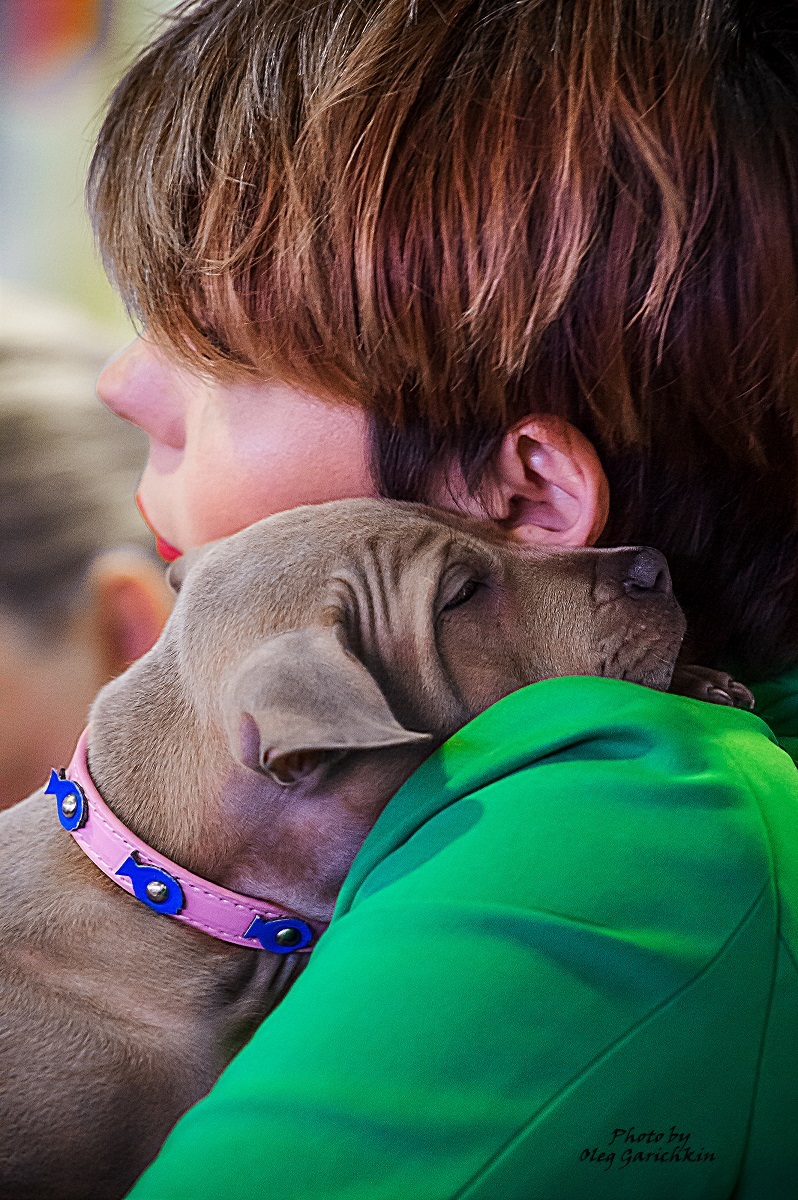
(459, 212)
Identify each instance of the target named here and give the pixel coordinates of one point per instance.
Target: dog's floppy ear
(301, 700)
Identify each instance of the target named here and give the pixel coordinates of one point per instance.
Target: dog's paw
(716, 687)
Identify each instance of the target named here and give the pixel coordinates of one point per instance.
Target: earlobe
(548, 485)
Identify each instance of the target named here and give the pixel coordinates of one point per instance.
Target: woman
(536, 261)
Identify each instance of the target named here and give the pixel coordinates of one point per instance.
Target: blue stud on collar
(153, 887)
(72, 807)
(281, 936)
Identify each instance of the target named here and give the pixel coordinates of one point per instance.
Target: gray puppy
(310, 664)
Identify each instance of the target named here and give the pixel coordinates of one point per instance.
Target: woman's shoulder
(575, 770)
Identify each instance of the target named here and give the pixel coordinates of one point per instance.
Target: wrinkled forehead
(320, 540)
(282, 568)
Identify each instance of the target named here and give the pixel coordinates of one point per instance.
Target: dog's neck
(167, 772)
(170, 778)
(106, 948)
(152, 763)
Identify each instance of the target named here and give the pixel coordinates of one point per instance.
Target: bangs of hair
(460, 212)
(210, 227)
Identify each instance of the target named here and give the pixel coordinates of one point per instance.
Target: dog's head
(325, 652)
(361, 620)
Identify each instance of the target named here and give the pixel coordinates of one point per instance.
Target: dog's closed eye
(462, 595)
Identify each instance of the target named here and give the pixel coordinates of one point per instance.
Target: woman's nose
(141, 386)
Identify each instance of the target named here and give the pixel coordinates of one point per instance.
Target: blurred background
(82, 593)
(58, 61)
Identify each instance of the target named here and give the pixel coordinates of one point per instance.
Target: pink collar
(162, 885)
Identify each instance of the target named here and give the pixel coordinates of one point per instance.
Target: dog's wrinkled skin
(310, 664)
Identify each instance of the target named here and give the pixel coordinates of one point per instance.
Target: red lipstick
(167, 552)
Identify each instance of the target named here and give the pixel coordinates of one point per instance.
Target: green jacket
(563, 966)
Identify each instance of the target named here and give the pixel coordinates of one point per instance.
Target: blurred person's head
(81, 592)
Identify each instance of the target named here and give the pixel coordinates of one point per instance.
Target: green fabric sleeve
(548, 975)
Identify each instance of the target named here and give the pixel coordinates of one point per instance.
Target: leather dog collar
(161, 884)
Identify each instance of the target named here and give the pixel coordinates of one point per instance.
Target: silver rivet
(287, 936)
(157, 891)
(69, 806)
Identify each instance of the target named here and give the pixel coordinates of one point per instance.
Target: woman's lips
(167, 552)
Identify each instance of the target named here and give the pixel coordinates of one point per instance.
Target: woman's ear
(130, 601)
(547, 486)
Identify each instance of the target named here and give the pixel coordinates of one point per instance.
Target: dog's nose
(636, 571)
(645, 571)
